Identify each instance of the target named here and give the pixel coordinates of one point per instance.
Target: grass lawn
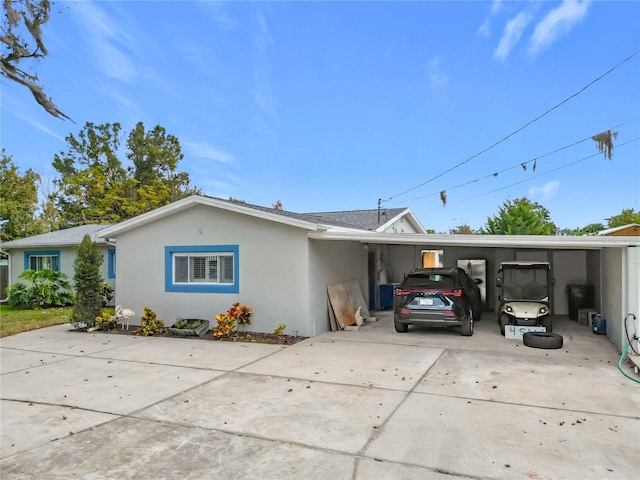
(15, 320)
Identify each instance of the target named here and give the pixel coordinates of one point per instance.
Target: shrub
(106, 321)
(226, 325)
(150, 324)
(88, 282)
(106, 293)
(237, 315)
(45, 288)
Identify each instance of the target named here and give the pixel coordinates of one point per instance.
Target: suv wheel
(467, 328)
(400, 327)
(504, 321)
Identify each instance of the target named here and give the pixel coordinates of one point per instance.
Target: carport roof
(524, 241)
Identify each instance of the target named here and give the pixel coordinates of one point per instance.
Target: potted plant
(189, 327)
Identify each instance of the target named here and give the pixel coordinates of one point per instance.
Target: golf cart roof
(525, 263)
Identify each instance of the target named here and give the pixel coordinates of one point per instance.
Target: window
(204, 269)
(111, 262)
(37, 261)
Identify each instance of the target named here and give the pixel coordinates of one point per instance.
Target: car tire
(542, 340)
(547, 323)
(467, 329)
(504, 321)
(400, 327)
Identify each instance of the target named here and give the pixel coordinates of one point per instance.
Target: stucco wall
(333, 262)
(612, 292)
(272, 269)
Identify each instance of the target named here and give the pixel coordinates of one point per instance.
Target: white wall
(333, 262)
(569, 268)
(272, 279)
(612, 292)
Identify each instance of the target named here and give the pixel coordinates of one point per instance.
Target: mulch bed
(247, 337)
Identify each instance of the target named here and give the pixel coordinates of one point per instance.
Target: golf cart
(524, 294)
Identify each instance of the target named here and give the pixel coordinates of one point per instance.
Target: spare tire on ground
(542, 340)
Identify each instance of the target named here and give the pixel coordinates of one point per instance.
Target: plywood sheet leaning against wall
(344, 300)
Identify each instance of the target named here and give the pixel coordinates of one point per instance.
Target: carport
(610, 264)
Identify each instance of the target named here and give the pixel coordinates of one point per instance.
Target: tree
(627, 216)
(21, 38)
(520, 217)
(591, 229)
(18, 201)
(462, 230)
(95, 187)
(155, 156)
(88, 282)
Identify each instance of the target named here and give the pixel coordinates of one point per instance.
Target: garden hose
(624, 351)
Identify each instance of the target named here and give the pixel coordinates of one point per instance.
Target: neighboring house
(632, 229)
(196, 257)
(57, 251)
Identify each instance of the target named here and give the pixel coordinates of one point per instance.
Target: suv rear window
(429, 280)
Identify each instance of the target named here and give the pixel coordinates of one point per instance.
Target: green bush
(150, 324)
(106, 293)
(44, 288)
(88, 283)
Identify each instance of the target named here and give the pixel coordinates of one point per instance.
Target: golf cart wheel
(467, 329)
(547, 324)
(504, 321)
(400, 327)
(542, 340)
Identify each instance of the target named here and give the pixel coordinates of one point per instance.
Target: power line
(519, 165)
(519, 129)
(566, 165)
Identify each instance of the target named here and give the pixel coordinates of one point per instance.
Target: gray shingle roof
(68, 237)
(360, 219)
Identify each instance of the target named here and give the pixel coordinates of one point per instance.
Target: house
(196, 257)
(56, 251)
(631, 229)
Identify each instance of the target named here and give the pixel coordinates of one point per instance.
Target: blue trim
(111, 263)
(41, 253)
(169, 286)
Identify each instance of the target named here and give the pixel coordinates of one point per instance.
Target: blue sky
(332, 105)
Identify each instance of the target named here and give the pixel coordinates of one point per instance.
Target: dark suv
(445, 297)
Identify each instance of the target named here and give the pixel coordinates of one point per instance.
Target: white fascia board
(188, 202)
(526, 241)
(411, 218)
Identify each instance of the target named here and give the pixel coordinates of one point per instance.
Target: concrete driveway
(428, 404)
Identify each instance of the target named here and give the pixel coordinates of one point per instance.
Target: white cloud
(547, 190)
(485, 29)
(557, 22)
(265, 99)
(434, 71)
(496, 6)
(511, 35)
(110, 40)
(205, 150)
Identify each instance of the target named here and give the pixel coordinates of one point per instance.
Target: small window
(42, 261)
(206, 269)
(111, 262)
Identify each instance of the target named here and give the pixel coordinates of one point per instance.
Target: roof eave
(558, 242)
(189, 202)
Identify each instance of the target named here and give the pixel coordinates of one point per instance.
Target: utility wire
(519, 129)
(566, 165)
(519, 165)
